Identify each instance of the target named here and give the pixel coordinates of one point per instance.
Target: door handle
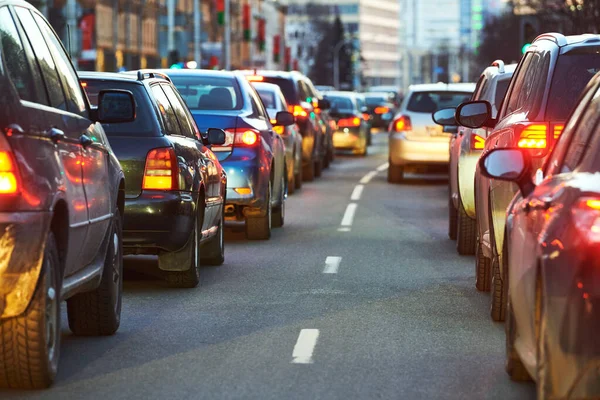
(13, 128)
(85, 140)
(56, 135)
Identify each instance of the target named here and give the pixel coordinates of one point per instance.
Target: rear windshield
(209, 92)
(286, 86)
(376, 100)
(145, 122)
(340, 104)
(428, 102)
(501, 89)
(572, 73)
(267, 97)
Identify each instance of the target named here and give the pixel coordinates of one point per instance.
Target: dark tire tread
(466, 234)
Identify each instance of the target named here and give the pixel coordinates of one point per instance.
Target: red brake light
(366, 116)
(247, 137)
(238, 137)
(298, 111)
(586, 214)
(557, 130)
(533, 136)
(352, 122)
(9, 183)
(382, 110)
(477, 142)
(402, 123)
(161, 170)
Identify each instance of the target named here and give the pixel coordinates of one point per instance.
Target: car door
(52, 120)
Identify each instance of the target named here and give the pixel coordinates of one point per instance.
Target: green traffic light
(525, 47)
(176, 66)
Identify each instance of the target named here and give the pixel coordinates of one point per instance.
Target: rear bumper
(415, 152)
(381, 120)
(348, 140)
(158, 220)
(247, 171)
(22, 240)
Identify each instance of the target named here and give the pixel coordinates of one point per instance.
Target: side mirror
(445, 117)
(474, 114)
(115, 106)
(324, 104)
(215, 136)
(511, 165)
(284, 118)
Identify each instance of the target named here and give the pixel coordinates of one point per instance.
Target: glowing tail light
(477, 142)
(280, 130)
(401, 124)
(298, 111)
(349, 122)
(382, 110)
(366, 116)
(9, 182)
(557, 130)
(586, 215)
(161, 170)
(533, 136)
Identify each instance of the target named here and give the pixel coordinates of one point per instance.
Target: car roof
(201, 72)
(494, 71)
(266, 85)
(443, 87)
(108, 76)
(561, 40)
(342, 93)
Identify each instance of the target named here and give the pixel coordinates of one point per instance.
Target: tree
(500, 40)
(322, 71)
(570, 17)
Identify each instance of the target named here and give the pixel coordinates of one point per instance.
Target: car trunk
(226, 120)
(423, 128)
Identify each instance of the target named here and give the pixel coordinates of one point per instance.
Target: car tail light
(533, 136)
(161, 171)
(9, 174)
(382, 110)
(557, 130)
(280, 130)
(366, 116)
(586, 214)
(477, 142)
(401, 123)
(352, 122)
(298, 111)
(239, 137)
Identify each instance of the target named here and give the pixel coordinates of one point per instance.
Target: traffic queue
(524, 198)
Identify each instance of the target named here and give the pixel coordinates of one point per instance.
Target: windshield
(376, 100)
(341, 104)
(428, 102)
(286, 86)
(209, 92)
(143, 123)
(572, 73)
(268, 98)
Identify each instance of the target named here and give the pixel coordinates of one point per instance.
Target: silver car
(415, 139)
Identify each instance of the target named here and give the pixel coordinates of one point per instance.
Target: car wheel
(465, 234)
(498, 297)
(30, 343)
(395, 173)
(514, 366)
(452, 219)
(189, 255)
(319, 167)
(291, 184)
(98, 313)
(482, 269)
(326, 160)
(213, 252)
(308, 172)
(369, 138)
(259, 228)
(544, 380)
(298, 179)
(279, 211)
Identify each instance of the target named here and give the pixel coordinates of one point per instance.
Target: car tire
(326, 160)
(514, 366)
(498, 297)
(98, 313)
(189, 255)
(308, 172)
(452, 220)
(395, 173)
(369, 138)
(213, 252)
(319, 167)
(466, 232)
(298, 179)
(259, 228)
(30, 342)
(544, 381)
(482, 269)
(279, 211)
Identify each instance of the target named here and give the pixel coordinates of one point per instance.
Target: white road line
(344, 229)
(332, 264)
(349, 214)
(357, 192)
(383, 167)
(305, 346)
(367, 178)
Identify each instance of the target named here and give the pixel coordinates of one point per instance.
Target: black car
(308, 107)
(380, 108)
(175, 186)
(61, 201)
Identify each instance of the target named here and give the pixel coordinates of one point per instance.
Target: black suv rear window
(341, 104)
(572, 73)
(287, 87)
(145, 123)
(428, 102)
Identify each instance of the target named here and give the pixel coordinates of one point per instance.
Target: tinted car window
(524, 71)
(268, 98)
(286, 86)
(166, 111)
(15, 59)
(209, 92)
(341, 104)
(376, 100)
(428, 102)
(591, 158)
(143, 125)
(501, 89)
(573, 71)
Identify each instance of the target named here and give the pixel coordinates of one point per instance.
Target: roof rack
(148, 73)
(500, 65)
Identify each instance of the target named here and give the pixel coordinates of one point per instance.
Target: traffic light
(529, 31)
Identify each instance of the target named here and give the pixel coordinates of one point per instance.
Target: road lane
(401, 319)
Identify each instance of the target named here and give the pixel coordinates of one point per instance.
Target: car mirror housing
(512, 165)
(474, 114)
(445, 117)
(115, 106)
(284, 118)
(215, 136)
(324, 104)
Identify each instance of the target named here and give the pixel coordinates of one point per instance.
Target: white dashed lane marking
(349, 214)
(305, 346)
(367, 178)
(357, 192)
(332, 264)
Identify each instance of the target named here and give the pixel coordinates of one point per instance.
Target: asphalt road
(381, 307)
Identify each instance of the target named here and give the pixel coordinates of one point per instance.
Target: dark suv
(544, 89)
(61, 201)
(175, 186)
(309, 108)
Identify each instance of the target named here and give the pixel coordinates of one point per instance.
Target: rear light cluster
(477, 142)
(280, 130)
(240, 137)
(586, 214)
(9, 182)
(382, 110)
(352, 122)
(402, 123)
(298, 111)
(161, 171)
(535, 135)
